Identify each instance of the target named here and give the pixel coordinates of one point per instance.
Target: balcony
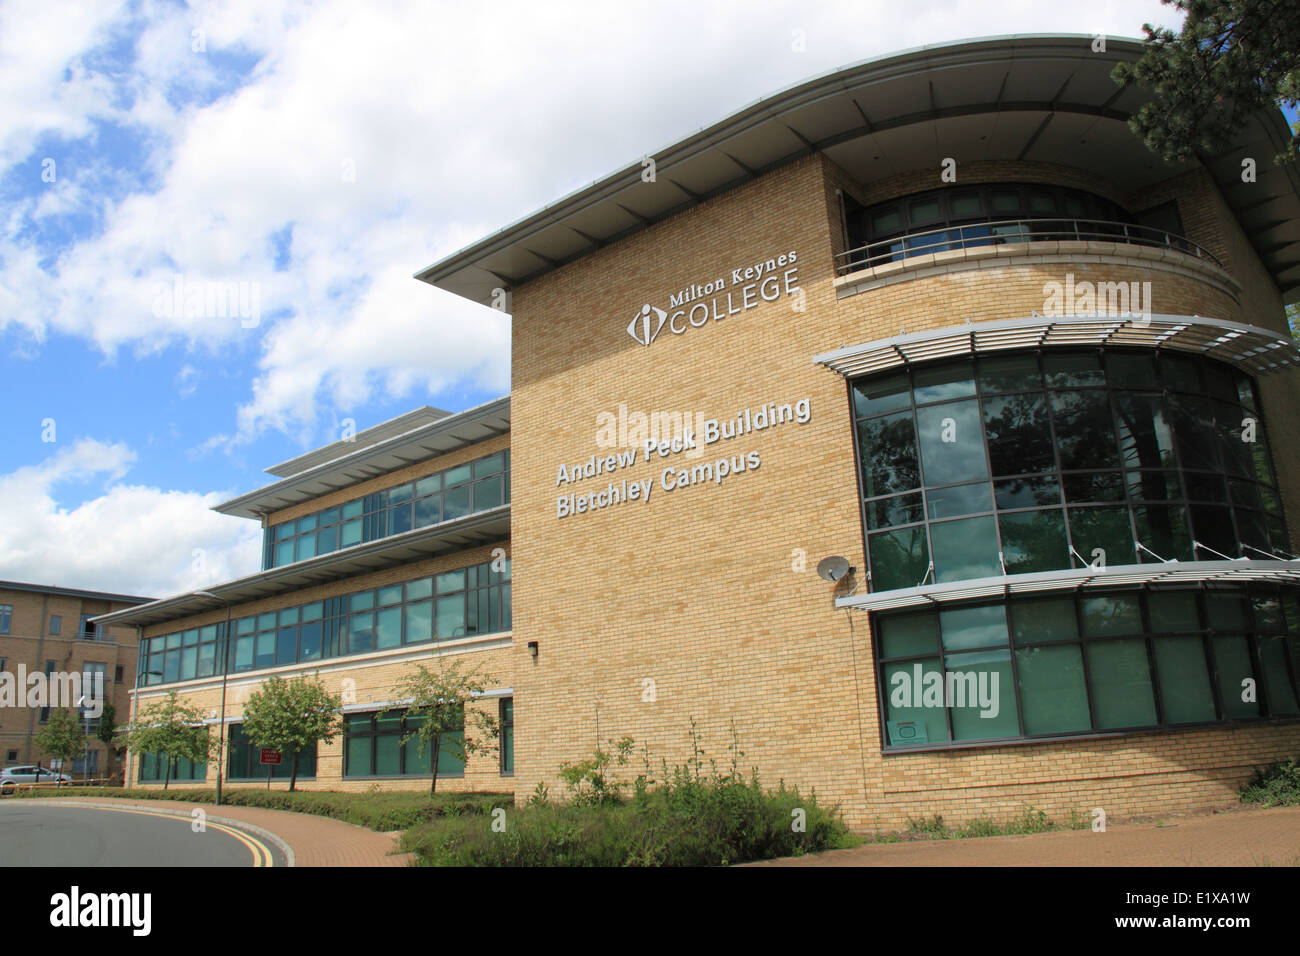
(1014, 232)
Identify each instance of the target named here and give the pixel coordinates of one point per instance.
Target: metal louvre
(1250, 348)
(1170, 572)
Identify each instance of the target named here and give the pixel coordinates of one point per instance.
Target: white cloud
(130, 538)
(456, 118)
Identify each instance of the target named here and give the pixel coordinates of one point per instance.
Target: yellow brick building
(939, 316)
(49, 630)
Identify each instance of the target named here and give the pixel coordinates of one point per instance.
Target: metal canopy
(1255, 350)
(1171, 572)
(1019, 98)
(361, 441)
(454, 535)
(436, 437)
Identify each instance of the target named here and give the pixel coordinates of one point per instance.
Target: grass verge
(373, 810)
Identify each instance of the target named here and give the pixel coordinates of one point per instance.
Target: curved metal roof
(1237, 571)
(1255, 350)
(1032, 98)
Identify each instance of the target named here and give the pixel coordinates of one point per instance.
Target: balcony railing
(1005, 231)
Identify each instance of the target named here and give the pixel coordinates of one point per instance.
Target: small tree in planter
(438, 700)
(171, 729)
(291, 716)
(62, 738)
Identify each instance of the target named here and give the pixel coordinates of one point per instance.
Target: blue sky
(319, 154)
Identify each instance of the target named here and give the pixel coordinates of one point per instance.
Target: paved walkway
(311, 840)
(1240, 838)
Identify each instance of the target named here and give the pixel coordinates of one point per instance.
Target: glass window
(1236, 676)
(979, 626)
(889, 456)
(1034, 541)
(1111, 615)
(965, 548)
(1052, 689)
(1185, 690)
(952, 443)
(906, 635)
(984, 695)
(419, 622)
(1019, 434)
(1121, 684)
(884, 394)
(915, 712)
(1044, 619)
(899, 559)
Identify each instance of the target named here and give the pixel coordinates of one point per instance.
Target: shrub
(1277, 785)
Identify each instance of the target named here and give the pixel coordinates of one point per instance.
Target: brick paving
(315, 841)
(1240, 838)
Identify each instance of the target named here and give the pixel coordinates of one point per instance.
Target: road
(33, 833)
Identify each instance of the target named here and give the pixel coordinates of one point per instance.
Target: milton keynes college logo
(647, 323)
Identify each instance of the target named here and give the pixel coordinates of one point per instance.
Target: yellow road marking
(261, 853)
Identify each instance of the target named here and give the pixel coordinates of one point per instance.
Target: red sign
(270, 756)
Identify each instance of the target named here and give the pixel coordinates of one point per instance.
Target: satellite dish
(833, 568)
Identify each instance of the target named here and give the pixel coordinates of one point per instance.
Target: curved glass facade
(1023, 462)
(1113, 661)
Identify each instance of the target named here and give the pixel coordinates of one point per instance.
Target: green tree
(171, 729)
(1231, 59)
(292, 716)
(437, 713)
(62, 738)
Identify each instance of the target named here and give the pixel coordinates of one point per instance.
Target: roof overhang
(1240, 571)
(362, 440)
(1017, 98)
(1252, 349)
(427, 440)
(477, 529)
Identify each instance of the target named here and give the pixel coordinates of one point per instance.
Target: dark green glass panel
(914, 693)
(979, 626)
(900, 509)
(905, 635)
(965, 548)
(1027, 492)
(1225, 612)
(1053, 697)
(938, 383)
(1234, 668)
(984, 695)
(1185, 690)
(1121, 684)
(1110, 615)
(1093, 486)
(889, 455)
(958, 500)
(952, 443)
(1073, 370)
(1012, 373)
(1106, 529)
(1044, 619)
(1277, 681)
(1164, 530)
(1085, 432)
(1034, 541)
(1154, 485)
(1146, 439)
(878, 395)
(1019, 433)
(899, 559)
(1173, 611)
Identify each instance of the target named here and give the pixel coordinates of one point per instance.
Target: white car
(11, 776)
